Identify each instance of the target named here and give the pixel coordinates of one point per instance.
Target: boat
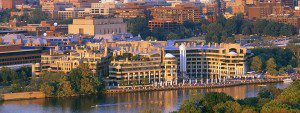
(287, 80)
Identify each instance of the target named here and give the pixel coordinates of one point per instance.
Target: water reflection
(122, 103)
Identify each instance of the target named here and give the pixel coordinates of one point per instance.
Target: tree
(193, 105)
(138, 26)
(282, 70)
(172, 36)
(272, 29)
(291, 95)
(271, 66)
(151, 38)
(259, 26)
(228, 107)
(252, 101)
(86, 86)
(47, 89)
(247, 28)
(75, 76)
(287, 30)
(256, 64)
(65, 88)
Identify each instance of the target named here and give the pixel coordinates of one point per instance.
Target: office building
(92, 26)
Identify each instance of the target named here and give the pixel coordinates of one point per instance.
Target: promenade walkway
(228, 83)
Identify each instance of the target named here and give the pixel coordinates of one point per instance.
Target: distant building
(264, 9)
(130, 11)
(117, 37)
(14, 56)
(102, 8)
(9, 4)
(52, 8)
(287, 19)
(168, 17)
(93, 26)
(165, 24)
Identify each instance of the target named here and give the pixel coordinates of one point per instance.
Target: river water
(167, 101)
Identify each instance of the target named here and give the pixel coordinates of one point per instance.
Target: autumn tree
(271, 66)
(256, 64)
(228, 107)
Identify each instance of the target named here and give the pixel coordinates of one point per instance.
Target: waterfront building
(96, 57)
(211, 62)
(142, 62)
(14, 56)
(93, 26)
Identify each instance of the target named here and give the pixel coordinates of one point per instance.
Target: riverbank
(231, 83)
(192, 86)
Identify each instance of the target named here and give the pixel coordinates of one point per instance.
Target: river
(167, 101)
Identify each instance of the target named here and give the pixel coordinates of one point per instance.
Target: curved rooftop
(169, 55)
(232, 53)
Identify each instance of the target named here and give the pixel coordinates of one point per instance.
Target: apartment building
(142, 63)
(211, 62)
(165, 16)
(130, 11)
(96, 57)
(264, 9)
(287, 19)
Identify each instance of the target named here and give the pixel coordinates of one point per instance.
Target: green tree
(272, 29)
(86, 86)
(256, 64)
(138, 26)
(150, 38)
(282, 70)
(65, 88)
(247, 28)
(259, 26)
(75, 76)
(271, 66)
(228, 107)
(47, 89)
(287, 30)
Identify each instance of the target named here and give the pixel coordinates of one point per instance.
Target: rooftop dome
(169, 55)
(232, 53)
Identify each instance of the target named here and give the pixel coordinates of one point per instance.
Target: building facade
(13, 56)
(96, 57)
(92, 26)
(211, 62)
(142, 63)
